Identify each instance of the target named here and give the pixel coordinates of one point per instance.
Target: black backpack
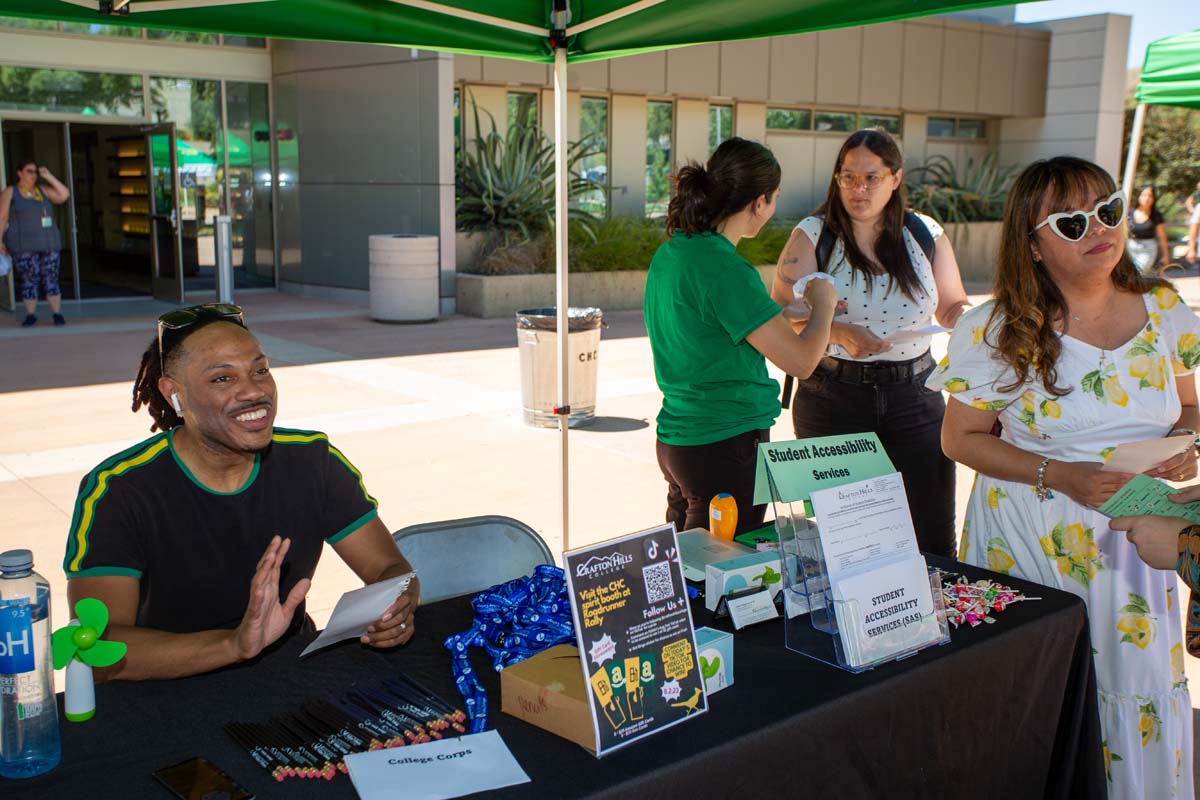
(826, 241)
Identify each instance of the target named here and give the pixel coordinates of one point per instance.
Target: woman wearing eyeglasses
(897, 274)
(29, 234)
(1077, 354)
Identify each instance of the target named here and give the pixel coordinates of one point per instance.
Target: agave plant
(976, 195)
(505, 182)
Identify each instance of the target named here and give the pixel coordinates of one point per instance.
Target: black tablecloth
(1006, 710)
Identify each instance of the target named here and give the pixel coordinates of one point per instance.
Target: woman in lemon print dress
(1077, 354)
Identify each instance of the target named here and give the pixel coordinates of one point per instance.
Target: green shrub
(504, 184)
(976, 195)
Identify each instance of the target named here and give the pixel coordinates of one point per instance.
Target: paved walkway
(429, 413)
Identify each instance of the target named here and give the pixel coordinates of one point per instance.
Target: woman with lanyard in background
(876, 252)
(28, 231)
(711, 322)
(1147, 242)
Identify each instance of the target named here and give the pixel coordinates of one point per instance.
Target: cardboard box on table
(547, 690)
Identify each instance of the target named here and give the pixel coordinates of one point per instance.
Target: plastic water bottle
(723, 516)
(28, 710)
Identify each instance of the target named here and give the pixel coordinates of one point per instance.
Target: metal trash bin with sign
(537, 343)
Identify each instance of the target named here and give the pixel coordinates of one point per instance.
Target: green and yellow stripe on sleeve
(95, 486)
(294, 436)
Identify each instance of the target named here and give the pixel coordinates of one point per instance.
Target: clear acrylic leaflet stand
(807, 593)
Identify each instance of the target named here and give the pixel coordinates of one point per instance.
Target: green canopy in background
(549, 31)
(1171, 73)
(1170, 77)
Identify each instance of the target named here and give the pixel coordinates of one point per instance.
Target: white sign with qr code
(633, 620)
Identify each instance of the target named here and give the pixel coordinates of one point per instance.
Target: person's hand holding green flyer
(1146, 495)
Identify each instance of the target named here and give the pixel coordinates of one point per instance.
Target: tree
(1169, 158)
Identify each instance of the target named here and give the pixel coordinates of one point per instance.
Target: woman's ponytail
(737, 174)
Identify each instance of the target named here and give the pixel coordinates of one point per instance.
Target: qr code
(659, 585)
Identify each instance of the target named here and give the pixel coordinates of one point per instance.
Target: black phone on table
(200, 779)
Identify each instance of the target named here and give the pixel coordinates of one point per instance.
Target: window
(940, 127)
(889, 122)
(457, 120)
(248, 139)
(593, 130)
(522, 109)
(835, 121)
(720, 126)
(789, 119)
(106, 94)
(954, 128)
(30, 24)
(243, 41)
(182, 36)
(659, 127)
(93, 29)
(972, 129)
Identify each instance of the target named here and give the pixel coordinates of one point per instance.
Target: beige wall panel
(1085, 44)
(913, 127)
(750, 121)
(744, 69)
(839, 66)
(506, 70)
(882, 62)
(643, 74)
(795, 155)
(1110, 131)
(627, 155)
(468, 68)
(960, 70)
(824, 159)
(1029, 77)
(1077, 72)
(972, 152)
(694, 71)
(793, 69)
(489, 100)
(691, 131)
(950, 150)
(547, 112)
(996, 54)
(1116, 51)
(922, 67)
(1073, 100)
(590, 75)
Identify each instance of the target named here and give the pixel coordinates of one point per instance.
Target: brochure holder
(810, 610)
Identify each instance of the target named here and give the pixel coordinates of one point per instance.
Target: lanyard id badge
(47, 220)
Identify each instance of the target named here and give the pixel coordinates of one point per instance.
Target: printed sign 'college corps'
(634, 629)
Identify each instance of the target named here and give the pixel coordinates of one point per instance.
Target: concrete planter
(493, 296)
(975, 245)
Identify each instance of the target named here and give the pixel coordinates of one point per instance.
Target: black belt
(876, 372)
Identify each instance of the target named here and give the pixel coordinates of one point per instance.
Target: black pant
(697, 473)
(907, 418)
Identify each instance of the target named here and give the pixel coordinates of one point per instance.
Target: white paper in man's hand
(357, 609)
(1138, 457)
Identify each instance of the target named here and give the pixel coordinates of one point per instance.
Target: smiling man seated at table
(203, 539)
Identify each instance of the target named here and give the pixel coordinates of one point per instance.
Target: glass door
(165, 239)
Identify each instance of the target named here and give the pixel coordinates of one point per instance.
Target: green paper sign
(801, 466)
(1146, 495)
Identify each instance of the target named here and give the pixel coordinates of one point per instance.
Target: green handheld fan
(78, 647)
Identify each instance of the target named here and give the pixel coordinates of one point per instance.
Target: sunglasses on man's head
(182, 318)
(1073, 225)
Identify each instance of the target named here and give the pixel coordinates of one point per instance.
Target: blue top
(31, 227)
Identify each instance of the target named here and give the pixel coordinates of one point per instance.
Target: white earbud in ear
(175, 402)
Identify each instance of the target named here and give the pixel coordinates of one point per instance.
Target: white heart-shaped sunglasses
(1073, 225)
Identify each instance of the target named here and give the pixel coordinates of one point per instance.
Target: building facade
(312, 147)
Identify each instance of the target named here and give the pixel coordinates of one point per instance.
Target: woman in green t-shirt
(711, 321)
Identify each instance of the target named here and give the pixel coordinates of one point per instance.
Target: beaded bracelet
(1043, 493)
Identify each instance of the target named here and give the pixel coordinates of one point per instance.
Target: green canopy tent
(548, 31)
(1170, 77)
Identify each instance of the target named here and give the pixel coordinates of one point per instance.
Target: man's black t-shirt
(143, 514)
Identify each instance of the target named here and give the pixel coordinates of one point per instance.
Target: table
(1005, 710)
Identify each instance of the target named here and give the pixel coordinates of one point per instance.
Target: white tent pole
(1135, 147)
(560, 271)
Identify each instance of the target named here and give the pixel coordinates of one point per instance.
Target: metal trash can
(537, 342)
(403, 270)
